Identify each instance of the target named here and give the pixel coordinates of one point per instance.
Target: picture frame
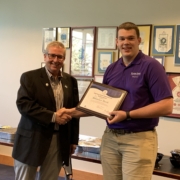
(63, 35)
(177, 49)
(104, 60)
(82, 52)
(49, 35)
(163, 40)
(82, 86)
(160, 59)
(174, 81)
(106, 37)
(145, 34)
(100, 99)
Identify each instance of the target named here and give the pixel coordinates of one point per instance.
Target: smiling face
(54, 59)
(128, 44)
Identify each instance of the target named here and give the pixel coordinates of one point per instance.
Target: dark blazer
(36, 104)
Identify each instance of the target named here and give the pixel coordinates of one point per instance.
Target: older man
(44, 138)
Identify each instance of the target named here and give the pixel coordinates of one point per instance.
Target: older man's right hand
(62, 117)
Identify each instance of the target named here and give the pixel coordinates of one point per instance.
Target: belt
(125, 131)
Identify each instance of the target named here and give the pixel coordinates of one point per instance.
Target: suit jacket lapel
(46, 83)
(65, 89)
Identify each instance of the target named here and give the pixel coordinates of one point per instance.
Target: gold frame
(145, 34)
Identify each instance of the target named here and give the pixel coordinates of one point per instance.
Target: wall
(21, 24)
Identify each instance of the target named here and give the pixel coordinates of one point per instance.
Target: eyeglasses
(53, 56)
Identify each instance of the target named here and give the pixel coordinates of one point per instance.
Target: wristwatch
(128, 117)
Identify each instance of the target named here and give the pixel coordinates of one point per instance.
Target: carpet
(7, 173)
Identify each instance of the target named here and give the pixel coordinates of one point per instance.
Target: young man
(44, 138)
(129, 143)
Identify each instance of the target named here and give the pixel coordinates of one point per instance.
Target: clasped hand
(65, 115)
(117, 116)
(62, 117)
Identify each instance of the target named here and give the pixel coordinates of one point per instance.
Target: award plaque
(101, 99)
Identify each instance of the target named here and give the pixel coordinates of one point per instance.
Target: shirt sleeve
(53, 118)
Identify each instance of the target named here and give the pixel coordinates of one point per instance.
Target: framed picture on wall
(82, 52)
(106, 37)
(49, 35)
(161, 59)
(174, 80)
(163, 40)
(145, 34)
(63, 35)
(177, 51)
(104, 60)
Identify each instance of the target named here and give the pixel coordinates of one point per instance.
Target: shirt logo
(135, 74)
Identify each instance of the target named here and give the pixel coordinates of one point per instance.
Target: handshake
(64, 115)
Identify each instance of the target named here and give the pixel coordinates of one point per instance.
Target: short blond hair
(55, 44)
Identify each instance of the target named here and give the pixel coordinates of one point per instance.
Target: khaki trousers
(129, 156)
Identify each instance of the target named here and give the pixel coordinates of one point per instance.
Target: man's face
(54, 59)
(128, 43)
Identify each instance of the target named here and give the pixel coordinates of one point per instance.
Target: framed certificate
(63, 36)
(163, 40)
(104, 60)
(49, 35)
(174, 81)
(145, 34)
(100, 99)
(106, 37)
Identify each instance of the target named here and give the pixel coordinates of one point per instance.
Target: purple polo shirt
(146, 82)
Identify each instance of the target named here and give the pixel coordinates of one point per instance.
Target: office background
(21, 24)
